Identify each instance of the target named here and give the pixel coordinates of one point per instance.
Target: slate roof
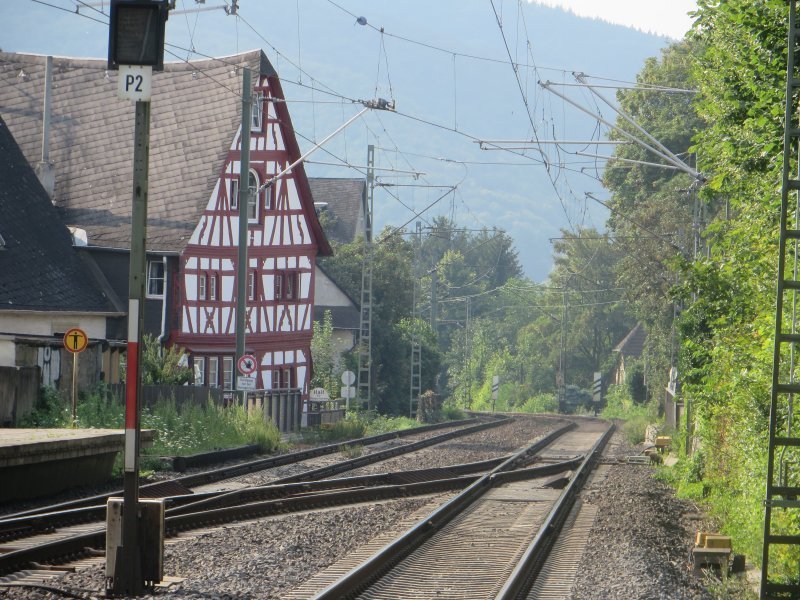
(633, 343)
(342, 317)
(39, 268)
(344, 197)
(195, 113)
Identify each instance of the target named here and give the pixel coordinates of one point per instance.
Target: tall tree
(658, 215)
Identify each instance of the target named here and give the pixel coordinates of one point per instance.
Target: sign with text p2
(135, 83)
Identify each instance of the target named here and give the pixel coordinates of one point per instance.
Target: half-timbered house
(193, 216)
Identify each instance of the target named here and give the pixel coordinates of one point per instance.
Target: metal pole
(128, 577)
(74, 389)
(244, 200)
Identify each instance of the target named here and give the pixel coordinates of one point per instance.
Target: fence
(181, 394)
(19, 388)
(283, 406)
(324, 413)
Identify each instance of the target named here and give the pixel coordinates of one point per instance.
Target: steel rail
(519, 582)
(361, 461)
(19, 527)
(367, 572)
(220, 474)
(78, 544)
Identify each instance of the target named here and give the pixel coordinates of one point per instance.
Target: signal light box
(136, 33)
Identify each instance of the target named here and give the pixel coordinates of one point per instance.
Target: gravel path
(639, 545)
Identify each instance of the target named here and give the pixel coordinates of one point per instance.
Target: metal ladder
(365, 330)
(416, 348)
(781, 506)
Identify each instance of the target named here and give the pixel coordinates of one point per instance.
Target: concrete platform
(42, 462)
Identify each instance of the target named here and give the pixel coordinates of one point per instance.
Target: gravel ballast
(638, 547)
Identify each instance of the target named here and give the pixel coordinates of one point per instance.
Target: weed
(353, 451)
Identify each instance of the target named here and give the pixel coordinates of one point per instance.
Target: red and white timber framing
(283, 242)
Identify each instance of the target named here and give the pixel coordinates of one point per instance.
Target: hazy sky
(664, 17)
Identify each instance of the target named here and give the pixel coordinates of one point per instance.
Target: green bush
(540, 403)
(195, 428)
(349, 428)
(620, 405)
(451, 412)
(634, 429)
(377, 424)
(50, 411)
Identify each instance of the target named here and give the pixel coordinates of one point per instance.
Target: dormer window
(257, 112)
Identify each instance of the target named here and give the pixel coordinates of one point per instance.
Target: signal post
(135, 48)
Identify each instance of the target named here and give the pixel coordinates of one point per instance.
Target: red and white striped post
(128, 578)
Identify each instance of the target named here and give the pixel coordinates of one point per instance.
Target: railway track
(36, 537)
(218, 476)
(490, 541)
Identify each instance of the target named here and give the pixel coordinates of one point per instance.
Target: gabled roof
(39, 268)
(344, 198)
(633, 343)
(195, 114)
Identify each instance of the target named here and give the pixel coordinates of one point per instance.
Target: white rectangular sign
(135, 83)
(245, 383)
(348, 392)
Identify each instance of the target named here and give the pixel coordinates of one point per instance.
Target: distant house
(193, 208)
(631, 348)
(45, 286)
(341, 204)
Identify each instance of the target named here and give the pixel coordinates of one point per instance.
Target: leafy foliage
(163, 365)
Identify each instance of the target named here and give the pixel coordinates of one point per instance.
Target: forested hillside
(692, 258)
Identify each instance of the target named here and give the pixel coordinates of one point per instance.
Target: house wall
(48, 323)
(280, 249)
(327, 293)
(19, 388)
(47, 352)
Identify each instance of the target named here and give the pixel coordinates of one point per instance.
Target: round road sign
(247, 364)
(348, 378)
(75, 340)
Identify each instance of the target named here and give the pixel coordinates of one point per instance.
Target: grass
(183, 430)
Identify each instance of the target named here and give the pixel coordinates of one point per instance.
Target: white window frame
(276, 379)
(290, 282)
(257, 112)
(252, 197)
(213, 371)
(286, 377)
(199, 370)
(212, 288)
(155, 280)
(202, 286)
(233, 191)
(227, 372)
(251, 285)
(278, 287)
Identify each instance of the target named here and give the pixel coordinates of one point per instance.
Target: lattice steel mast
(365, 337)
(782, 507)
